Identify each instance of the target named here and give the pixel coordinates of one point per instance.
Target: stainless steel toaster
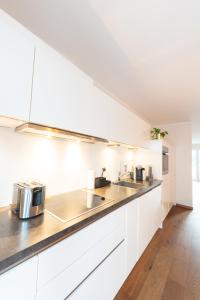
(28, 199)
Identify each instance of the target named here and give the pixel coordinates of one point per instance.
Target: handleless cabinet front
(20, 282)
(132, 234)
(16, 68)
(150, 210)
(62, 94)
(64, 266)
(106, 280)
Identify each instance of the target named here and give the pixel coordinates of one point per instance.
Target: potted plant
(157, 134)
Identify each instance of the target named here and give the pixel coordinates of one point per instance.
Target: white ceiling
(145, 52)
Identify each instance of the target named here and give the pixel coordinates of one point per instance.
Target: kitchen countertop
(22, 239)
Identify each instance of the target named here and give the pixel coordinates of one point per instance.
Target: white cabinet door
(62, 94)
(65, 97)
(132, 238)
(20, 282)
(166, 197)
(106, 280)
(62, 267)
(150, 211)
(58, 258)
(16, 69)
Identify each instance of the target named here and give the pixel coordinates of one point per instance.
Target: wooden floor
(169, 269)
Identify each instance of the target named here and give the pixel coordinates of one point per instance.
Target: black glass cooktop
(69, 206)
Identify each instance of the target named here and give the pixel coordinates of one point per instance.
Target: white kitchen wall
(151, 156)
(61, 165)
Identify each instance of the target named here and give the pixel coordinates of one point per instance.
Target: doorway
(196, 176)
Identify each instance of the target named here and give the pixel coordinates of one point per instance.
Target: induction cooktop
(69, 206)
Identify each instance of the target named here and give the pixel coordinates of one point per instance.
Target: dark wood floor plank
(174, 291)
(155, 282)
(169, 269)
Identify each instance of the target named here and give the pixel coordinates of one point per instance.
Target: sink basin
(129, 184)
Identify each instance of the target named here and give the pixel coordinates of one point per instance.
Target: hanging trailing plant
(157, 134)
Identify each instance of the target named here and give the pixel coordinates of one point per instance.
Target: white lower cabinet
(20, 282)
(58, 258)
(63, 284)
(166, 198)
(132, 214)
(149, 217)
(105, 281)
(92, 263)
(63, 267)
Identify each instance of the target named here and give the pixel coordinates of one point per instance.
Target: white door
(16, 69)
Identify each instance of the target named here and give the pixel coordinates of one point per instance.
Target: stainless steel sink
(133, 185)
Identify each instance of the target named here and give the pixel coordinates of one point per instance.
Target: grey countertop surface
(22, 239)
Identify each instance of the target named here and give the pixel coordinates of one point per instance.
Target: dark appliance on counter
(28, 199)
(101, 181)
(165, 160)
(139, 173)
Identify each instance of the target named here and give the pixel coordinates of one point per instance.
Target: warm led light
(117, 144)
(58, 133)
(52, 132)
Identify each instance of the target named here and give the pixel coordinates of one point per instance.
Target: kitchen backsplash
(61, 165)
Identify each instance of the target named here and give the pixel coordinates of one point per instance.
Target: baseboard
(184, 206)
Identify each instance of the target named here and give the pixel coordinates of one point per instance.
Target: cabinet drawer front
(57, 258)
(61, 286)
(20, 282)
(106, 280)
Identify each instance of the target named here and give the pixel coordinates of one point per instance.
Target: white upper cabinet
(65, 97)
(43, 87)
(120, 124)
(62, 94)
(16, 68)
